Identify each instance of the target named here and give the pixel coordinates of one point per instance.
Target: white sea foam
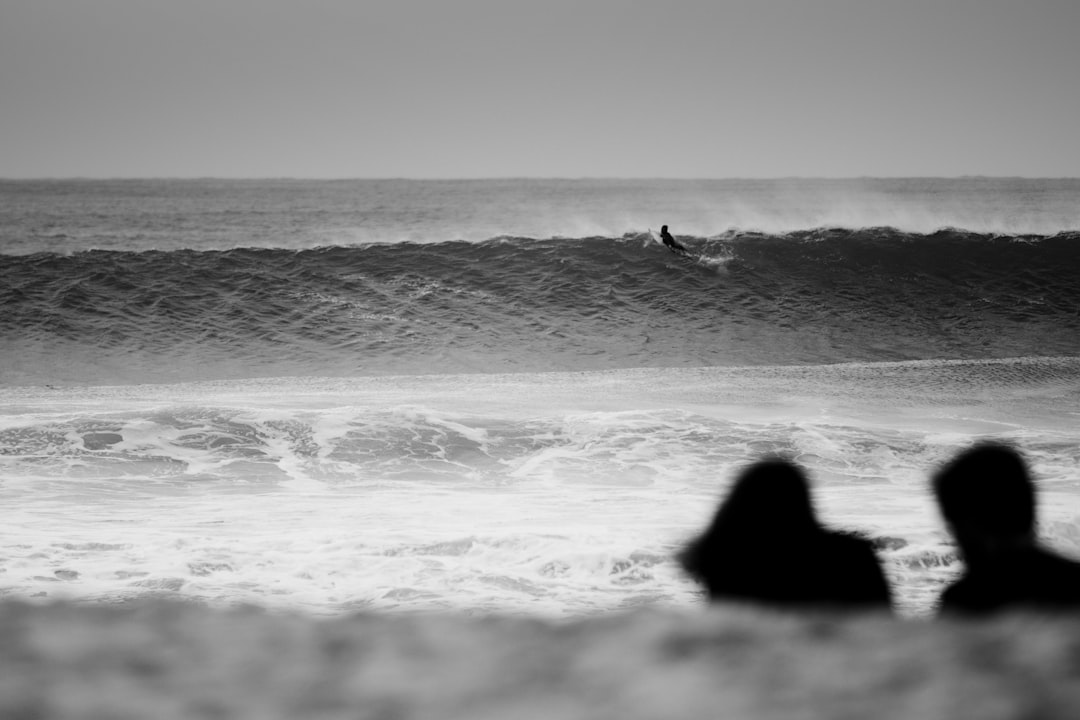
(560, 493)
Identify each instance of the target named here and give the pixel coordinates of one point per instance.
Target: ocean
(501, 395)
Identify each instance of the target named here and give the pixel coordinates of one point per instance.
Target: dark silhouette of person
(987, 498)
(766, 545)
(671, 242)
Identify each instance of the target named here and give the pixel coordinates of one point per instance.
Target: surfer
(671, 242)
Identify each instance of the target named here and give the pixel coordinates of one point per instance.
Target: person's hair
(987, 489)
(772, 493)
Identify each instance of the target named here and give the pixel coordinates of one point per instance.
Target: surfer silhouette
(671, 242)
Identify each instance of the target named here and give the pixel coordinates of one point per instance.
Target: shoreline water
(560, 493)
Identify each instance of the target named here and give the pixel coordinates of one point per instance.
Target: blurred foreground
(153, 659)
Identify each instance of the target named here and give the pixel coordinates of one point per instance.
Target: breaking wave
(523, 304)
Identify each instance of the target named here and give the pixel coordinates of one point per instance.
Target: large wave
(524, 304)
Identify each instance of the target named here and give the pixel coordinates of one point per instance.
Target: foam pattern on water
(558, 493)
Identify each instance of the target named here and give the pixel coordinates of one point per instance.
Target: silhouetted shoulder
(1032, 578)
(855, 577)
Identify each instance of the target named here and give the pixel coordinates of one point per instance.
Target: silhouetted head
(986, 495)
(771, 496)
(663, 228)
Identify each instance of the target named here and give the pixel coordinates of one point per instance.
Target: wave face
(515, 304)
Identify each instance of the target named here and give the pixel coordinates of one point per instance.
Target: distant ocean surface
(503, 395)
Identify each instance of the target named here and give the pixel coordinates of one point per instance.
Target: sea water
(502, 396)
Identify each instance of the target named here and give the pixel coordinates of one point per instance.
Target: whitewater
(501, 396)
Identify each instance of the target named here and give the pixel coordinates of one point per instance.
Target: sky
(546, 88)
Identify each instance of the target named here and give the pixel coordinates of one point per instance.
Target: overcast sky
(553, 88)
